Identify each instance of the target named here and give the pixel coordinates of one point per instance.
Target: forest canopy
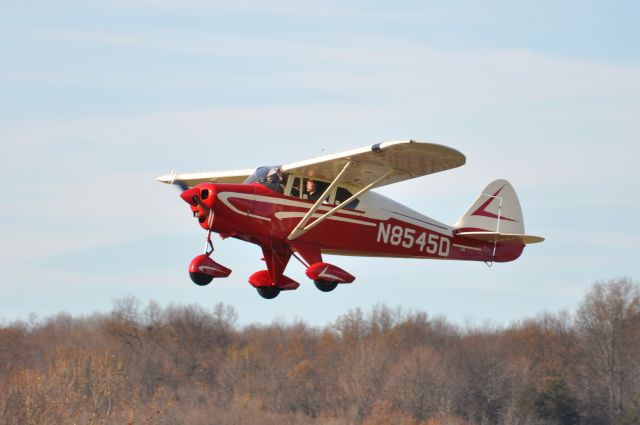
(192, 365)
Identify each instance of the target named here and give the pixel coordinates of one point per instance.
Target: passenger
(312, 193)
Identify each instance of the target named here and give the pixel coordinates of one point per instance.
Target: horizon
(133, 306)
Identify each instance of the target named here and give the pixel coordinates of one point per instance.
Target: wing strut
(300, 229)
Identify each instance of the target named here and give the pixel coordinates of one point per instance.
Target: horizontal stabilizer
(501, 237)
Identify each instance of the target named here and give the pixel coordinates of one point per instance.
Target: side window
(313, 189)
(295, 187)
(342, 195)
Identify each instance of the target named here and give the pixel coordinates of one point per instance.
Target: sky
(97, 98)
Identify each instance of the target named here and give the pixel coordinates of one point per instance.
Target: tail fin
(495, 216)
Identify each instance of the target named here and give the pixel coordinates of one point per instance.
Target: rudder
(497, 209)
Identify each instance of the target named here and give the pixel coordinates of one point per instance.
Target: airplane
(325, 205)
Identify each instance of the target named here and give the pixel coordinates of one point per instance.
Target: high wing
(399, 160)
(192, 179)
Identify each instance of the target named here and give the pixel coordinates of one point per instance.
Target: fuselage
(377, 226)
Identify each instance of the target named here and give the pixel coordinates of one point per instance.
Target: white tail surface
(495, 215)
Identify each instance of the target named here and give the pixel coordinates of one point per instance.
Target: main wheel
(325, 285)
(268, 292)
(200, 279)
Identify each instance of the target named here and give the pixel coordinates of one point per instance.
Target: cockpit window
(299, 187)
(269, 176)
(313, 189)
(342, 195)
(259, 174)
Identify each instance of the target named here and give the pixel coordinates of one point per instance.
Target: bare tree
(188, 364)
(419, 384)
(608, 321)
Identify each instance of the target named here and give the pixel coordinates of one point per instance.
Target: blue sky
(99, 97)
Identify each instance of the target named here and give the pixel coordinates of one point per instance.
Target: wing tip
(168, 178)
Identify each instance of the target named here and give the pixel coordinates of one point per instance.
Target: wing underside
(405, 159)
(399, 160)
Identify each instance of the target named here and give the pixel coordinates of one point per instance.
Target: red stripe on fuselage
(256, 218)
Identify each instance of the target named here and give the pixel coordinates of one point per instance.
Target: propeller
(181, 184)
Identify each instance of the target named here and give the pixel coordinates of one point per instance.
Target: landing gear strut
(203, 269)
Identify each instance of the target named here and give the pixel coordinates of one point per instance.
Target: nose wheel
(203, 269)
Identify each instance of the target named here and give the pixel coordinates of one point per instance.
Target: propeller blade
(182, 185)
(171, 179)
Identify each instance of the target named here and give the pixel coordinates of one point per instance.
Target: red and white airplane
(325, 206)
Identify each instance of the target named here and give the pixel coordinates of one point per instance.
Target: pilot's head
(273, 178)
(311, 186)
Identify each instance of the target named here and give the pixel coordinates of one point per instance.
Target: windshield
(269, 176)
(258, 175)
(272, 177)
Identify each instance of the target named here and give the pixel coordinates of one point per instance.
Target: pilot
(275, 180)
(312, 193)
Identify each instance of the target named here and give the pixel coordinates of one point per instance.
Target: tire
(200, 279)
(325, 285)
(268, 292)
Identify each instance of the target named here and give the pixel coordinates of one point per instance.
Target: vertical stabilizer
(497, 200)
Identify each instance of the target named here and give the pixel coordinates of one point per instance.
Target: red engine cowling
(329, 272)
(201, 200)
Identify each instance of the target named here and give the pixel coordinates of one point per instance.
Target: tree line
(190, 365)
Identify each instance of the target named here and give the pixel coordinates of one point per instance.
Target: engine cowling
(201, 199)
